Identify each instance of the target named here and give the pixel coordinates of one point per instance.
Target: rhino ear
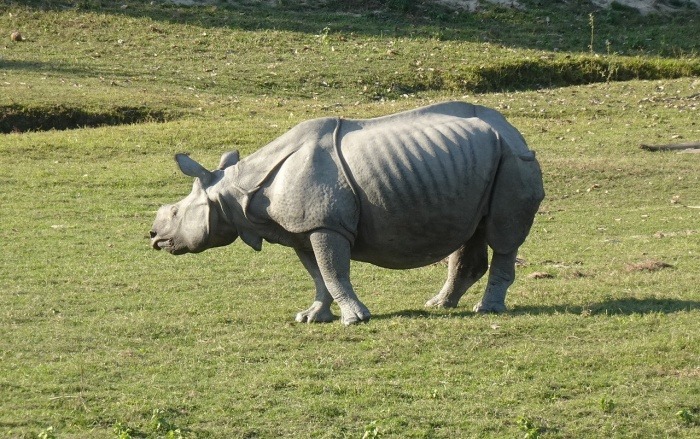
(229, 159)
(192, 168)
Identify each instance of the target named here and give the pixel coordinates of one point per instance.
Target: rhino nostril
(153, 234)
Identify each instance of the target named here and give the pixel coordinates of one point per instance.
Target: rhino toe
(317, 313)
(440, 302)
(355, 314)
(355, 319)
(490, 308)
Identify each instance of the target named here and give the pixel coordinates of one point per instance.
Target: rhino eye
(173, 211)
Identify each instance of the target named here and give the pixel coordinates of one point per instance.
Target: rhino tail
(515, 198)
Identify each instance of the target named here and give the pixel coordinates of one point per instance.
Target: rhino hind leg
(320, 309)
(515, 198)
(506, 229)
(332, 254)
(464, 267)
(501, 276)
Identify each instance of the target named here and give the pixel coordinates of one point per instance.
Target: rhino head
(197, 222)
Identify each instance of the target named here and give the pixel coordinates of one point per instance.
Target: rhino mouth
(162, 244)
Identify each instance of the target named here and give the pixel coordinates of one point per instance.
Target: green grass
(100, 336)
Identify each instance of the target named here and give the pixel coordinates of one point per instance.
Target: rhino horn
(193, 169)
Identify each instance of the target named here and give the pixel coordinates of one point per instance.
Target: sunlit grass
(102, 337)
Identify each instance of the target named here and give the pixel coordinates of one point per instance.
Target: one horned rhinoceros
(400, 191)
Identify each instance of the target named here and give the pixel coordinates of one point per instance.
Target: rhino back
(422, 179)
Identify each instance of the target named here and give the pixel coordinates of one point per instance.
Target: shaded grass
(563, 26)
(17, 118)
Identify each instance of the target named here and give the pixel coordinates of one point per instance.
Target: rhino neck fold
(235, 198)
(224, 212)
(232, 205)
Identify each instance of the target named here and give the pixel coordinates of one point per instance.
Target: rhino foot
(440, 301)
(490, 308)
(355, 313)
(317, 313)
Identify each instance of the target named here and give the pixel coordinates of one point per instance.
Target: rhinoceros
(400, 191)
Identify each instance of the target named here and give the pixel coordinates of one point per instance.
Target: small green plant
(532, 431)
(372, 431)
(162, 427)
(48, 433)
(607, 405)
(122, 431)
(324, 35)
(687, 417)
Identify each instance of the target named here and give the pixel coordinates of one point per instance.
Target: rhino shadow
(622, 306)
(608, 307)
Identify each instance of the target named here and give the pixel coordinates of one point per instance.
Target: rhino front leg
(464, 267)
(501, 276)
(320, 310)
(332, 252)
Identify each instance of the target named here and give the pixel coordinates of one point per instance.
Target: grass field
(102, 337)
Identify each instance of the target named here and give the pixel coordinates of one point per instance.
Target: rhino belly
(422, 189)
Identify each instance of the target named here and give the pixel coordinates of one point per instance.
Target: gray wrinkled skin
(400, 191)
